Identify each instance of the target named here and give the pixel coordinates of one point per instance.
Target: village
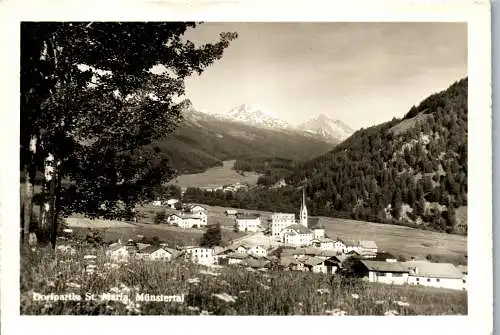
(282, 242)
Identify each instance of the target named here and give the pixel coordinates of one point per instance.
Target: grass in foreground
(224, 291)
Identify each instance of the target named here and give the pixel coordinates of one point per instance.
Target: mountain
(326, 127)
(254, 116)
(410, 171)
(204, 140)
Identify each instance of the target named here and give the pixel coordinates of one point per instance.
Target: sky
(360, 73)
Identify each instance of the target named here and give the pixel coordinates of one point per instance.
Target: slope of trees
(91, 105)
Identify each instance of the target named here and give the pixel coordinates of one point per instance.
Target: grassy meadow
(211, 291)
(219, 175)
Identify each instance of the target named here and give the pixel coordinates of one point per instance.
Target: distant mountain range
(322, 126)
(204, 140)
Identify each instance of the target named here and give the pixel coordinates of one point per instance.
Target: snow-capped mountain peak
(327, 127)
(253, 115)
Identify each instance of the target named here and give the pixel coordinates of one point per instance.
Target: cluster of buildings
(296, 245)
(225, 188)
(123, 252)
(190, 216)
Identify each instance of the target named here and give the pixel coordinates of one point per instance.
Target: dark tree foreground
(94, 95)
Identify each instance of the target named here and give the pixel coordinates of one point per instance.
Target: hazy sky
(359, 73)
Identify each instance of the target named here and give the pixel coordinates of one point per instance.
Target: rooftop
(242, 216)
(368, 244)
(299, 229)
(384, 266)
(434, 270)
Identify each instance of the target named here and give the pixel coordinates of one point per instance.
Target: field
(211, 291)
(220, 175)
(114, 230)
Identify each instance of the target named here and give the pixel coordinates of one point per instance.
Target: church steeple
(303, 209)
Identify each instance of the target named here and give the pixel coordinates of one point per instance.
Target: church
(298, 233)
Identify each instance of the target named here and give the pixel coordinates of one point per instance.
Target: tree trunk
(30, 173)
(56, 204)
(47, 205)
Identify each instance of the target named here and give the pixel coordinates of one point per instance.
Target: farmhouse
(248, 222)
(315, 264)
(339, 245)
(230, 212)
(443, 275)
(232, 258)
(118, 252)
(367, 247)
(174, 219)
(255, 250)
(156, 203)
(385, 272)
(200, 255)
(156, 252)
(172, 203)
(323, 243)
(188, 220)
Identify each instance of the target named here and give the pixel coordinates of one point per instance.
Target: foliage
(212, 237)
(92, 102)
(160, 217)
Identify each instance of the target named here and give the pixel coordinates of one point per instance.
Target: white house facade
(200, 255)
(296, 236)
(280, 221)
(442, 275)
(386, 272)
(118, 253)
(248, 222)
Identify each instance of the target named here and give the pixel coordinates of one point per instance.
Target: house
(248, 222)
(118, 252)
(315, 264)
(339, 245)
(253, 263)
(230, 212)
(197, 209)
(200, 255)
(156, 203)
(193, 220)
(257, 251)
(385, 272)
(172, 203)
(323, 243)
(384, 257)
(296, 235)
(367, 247)
(234, 258)
(442, 275)
(174, 219)
(156, 252)
(317, 227)
(351, 246)
(280, 221)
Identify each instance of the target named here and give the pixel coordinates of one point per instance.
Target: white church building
(298, 233)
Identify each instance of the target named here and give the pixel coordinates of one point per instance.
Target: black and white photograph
(214, 168)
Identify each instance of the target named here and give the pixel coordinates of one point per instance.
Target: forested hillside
(410, 171)
(202, 142)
